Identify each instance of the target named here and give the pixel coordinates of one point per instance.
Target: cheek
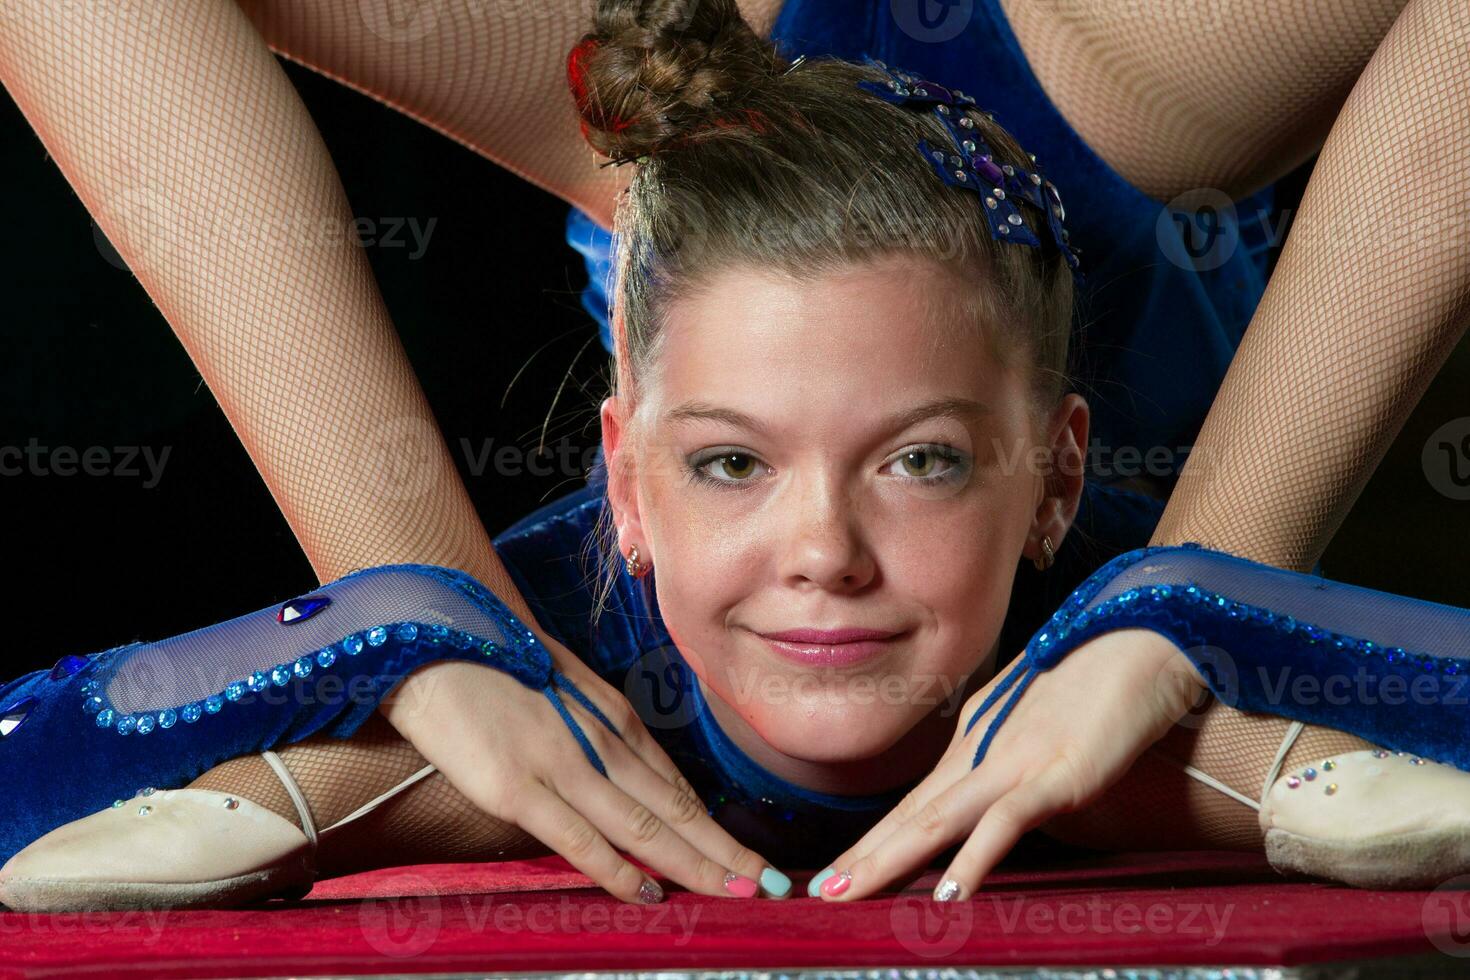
(961, 567)
(694, 537)
(704, 567)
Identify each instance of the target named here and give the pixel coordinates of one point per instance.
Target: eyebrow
(962, 409)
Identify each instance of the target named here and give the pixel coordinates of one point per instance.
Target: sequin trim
(1074, 616)
(394, 634)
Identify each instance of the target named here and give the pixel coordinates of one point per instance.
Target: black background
(87, 360)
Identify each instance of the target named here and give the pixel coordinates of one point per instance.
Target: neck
(913, 756)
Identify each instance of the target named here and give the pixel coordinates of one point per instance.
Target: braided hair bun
(654, 73)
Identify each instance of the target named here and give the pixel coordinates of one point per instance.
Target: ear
(1066, 431)
(622, 482)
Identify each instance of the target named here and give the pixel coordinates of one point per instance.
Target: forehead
(871, 330)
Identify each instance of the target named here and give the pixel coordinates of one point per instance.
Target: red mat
(1198, 908)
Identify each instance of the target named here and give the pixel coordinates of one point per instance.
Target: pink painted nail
(739, 885)
(837, 884)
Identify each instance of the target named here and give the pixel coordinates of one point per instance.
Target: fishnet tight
(430, 821)
(184, 139)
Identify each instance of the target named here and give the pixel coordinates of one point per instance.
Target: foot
(1370, 818)
(171, 848)
(255, 828)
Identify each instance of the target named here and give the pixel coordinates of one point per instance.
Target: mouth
(831, 648)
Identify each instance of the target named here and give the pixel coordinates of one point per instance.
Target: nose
(825, 544)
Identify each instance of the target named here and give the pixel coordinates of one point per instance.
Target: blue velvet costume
(1159, 338)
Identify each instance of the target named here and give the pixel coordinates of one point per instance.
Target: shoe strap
(308, 825)
(1276, 763)
(298, 799)
(1234, 794)
(1287, 742)
(1214, 783)
(382, 798)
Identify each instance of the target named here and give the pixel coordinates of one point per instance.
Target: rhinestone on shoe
(144, 810)
(1329, 765)
(1292, 782)
(1309, 774)
(231, 803)
(1330, 788)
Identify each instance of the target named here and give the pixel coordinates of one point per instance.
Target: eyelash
(696, 474)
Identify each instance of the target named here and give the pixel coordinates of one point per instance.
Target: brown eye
(919, 461)
(744, 471)
(929, 464)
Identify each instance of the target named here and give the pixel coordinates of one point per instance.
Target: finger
(647, 831)
(704, 832)
(547, 817)
(946, 818)
(691, 820)
(945, 774)
(629, 727)
(1026, 806)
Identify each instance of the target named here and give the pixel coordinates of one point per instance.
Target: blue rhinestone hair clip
(970, 163)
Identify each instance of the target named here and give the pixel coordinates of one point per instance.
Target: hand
(505, 747)
(1073, 732)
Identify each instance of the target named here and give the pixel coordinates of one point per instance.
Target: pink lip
(847, 635)
(830, 648)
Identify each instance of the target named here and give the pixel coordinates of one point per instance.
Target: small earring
(1049, 556)
(635, 567)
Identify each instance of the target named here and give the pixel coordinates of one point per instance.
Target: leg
(1158, 806)
(426, 823)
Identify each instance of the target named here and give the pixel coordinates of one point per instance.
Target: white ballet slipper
(175, 848)
(1370, 818)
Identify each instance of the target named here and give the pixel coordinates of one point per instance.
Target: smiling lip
(830, 648)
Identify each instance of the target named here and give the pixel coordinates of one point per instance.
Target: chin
(859, 732)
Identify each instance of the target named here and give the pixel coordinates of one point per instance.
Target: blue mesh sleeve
(97, 727)
(1389, 668)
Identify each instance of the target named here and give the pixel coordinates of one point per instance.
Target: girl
(882, 326)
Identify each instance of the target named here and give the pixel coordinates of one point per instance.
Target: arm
(184, 138)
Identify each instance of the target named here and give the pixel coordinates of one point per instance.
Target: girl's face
(842, 454)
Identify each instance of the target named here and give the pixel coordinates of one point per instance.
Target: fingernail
(775, 883)
(947, 891)
(739, 885)
(816, 883)
(836, 886)
(649, 893)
